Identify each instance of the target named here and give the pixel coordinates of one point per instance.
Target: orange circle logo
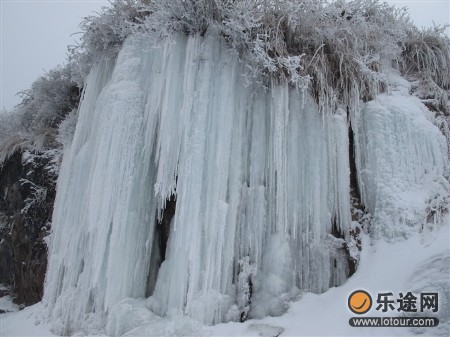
(359, 302)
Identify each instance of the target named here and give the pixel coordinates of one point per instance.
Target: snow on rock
(259, 176)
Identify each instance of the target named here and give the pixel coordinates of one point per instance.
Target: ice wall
(260, 178)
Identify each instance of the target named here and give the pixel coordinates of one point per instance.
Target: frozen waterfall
(257, 180)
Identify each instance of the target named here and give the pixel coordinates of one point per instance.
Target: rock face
(10, 201)
(27, 187)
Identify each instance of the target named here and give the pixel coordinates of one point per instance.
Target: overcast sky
(35, 35)
(34, 39)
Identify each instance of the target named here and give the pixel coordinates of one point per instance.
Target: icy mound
(401, 162)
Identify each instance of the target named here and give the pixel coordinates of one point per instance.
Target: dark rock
(160, 240)
(10, 202)
(26, 204)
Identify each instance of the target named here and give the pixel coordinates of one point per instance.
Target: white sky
(35, 35)
(34, 39)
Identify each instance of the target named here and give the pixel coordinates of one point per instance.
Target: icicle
(254, 173)
(103, 219)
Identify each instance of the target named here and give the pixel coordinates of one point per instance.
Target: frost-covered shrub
(38, 195)
(34, 123)
(426, 58)
(433, 96)
(12, 135)
(427, 53)
(348, 45)
(49, 99)
(168, 16)
(102, 33)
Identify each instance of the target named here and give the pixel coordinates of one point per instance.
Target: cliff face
(26, 204)
(10, 201)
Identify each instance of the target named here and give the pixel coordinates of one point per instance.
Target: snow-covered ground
(420, 262)
(7, 305)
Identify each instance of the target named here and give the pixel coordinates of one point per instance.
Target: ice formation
(260, 179)
(402, 161)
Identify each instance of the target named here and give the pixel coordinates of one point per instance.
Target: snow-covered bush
(168, 16)
(348, 45)
(427, 53)
(38, 195)
(34, 123)
(12, 135)
(426, 59)
(102, 33)
(433, 96)
(50, 98)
